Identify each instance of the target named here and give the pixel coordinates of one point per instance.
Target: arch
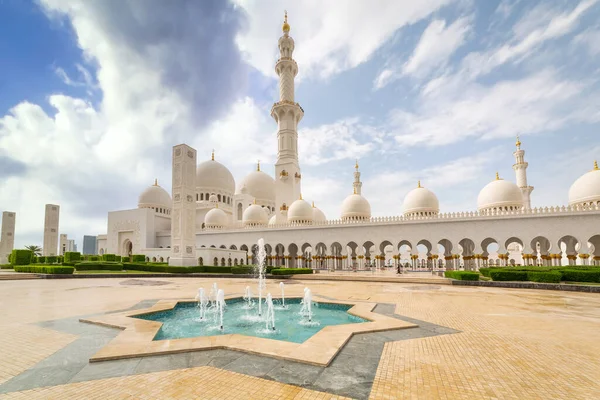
(219, 198)
(147, 259)
(153, 259)
(569, 246)
(541, 250)
(336, 253)
(235, 261)
(222, 261)
(293, 253)
(223, 246)
(240, 211)
(101, 252)
(200, 261)
(215, 261)
(161, 259)
(127, 248)
(201, 196)
(232, 247)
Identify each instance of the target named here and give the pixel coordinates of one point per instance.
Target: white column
(7, 237)
(520, 168)
(183, 240)
(50, 246)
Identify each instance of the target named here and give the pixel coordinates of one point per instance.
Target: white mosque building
(229, 219)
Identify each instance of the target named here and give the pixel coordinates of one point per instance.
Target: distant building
(89, 244)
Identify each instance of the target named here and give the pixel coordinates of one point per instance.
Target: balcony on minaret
(298, 176)
(283, 175)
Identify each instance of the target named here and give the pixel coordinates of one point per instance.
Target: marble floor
(471, 342)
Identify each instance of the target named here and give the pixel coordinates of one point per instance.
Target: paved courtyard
(471, 342)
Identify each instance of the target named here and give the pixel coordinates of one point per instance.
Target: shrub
(507, 274)
(125, 259)
(21, 257)
(10, 258)
(217, 270)
(547, 277)
(72, 256)
(162, 268)
(94, 258)
(579, 275)
(98, 266)
(118, 258)
(44, 269)
(60, 259)
(34, 259)
(462, 275)
(138, 258)
(485, 271)
(41, 259)
(6, 266)
(108, 257)
(51, 260)
(291, 271)
(242, 270)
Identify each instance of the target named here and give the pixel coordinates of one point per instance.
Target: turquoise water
(184, 321)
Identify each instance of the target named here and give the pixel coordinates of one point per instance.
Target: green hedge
(485, 271)
(41, 260)
(94, 258)
(34, 259)
(108, 257)
(242, 270)
(72, 256)
(138, 258)
(217, 270)
(21, 257)
(508, 275)
(291, 271)
(98, 266)
(578, 275)
(44, 269)
(525, 275)
(51, 259)
(162, 268)
(462, 275)
(118, 258)
(125, 259)
(546, 277)
(6, 266)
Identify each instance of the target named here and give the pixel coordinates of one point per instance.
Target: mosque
(229, 219)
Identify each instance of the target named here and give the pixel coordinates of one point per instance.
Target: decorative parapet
(455, 216)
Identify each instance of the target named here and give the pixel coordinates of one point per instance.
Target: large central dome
(258, 185)
(586, 189)
(212, 174)
(500, 195)
(421, 201)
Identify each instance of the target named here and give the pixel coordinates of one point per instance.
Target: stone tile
(295, 373)
(106, 369)
(162, 363)
(250, 364)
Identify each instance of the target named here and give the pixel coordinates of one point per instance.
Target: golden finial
(254, 201)
(216, 205)
(497, 176)
(213, 155)
(286, 26)
(518, 143)
(596, 166)
(356, 165)
(258, 165)
(354, 189)
(155, 182)
(313, 204)
(300, 196)
(418, 184)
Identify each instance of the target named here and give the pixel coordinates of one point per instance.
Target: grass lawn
(128, 272)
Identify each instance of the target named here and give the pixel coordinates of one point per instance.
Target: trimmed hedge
(6, 266)
(34, 259)
(138, 258)
(118, 258)
(94, 258)
(41, 259)
(98, 266)
(44, 269)
(125, 259)
(579, 275)
(242, 270)
(21, 257)
(162, 268)
(547, 277)
(72, 256)
(462, 275)
(485, 271)
(291, 271)
(108, 257)
(508, 275)
(51, 259)
(217, 270)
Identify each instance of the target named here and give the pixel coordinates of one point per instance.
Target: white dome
(318, 215)
(300, 211)
(500, 193)
(255, 215)
(356, 207)
(212, 174)
(586, 189)
(154, 196)
(258, 185)
(213, 198)
(273, 220)
(421, 201)
(215, 218)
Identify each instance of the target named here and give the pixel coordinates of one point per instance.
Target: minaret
(287, 113)
(520, 168)
(357, 183)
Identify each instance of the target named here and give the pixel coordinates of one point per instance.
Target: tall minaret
(357, 183)
(287, 113)
(520, 168)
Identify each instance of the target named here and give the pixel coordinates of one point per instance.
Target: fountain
(248, 296)
(213, 295)
(202, 302)
(270, 320)
(306, 309)
(282, 294)
(220, 304)
(262, 256)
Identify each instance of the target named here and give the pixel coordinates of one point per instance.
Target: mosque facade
(229, 219)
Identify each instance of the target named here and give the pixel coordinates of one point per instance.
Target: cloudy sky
(93, 95)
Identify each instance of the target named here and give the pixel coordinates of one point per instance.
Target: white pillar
(51, 219)
(183, 238)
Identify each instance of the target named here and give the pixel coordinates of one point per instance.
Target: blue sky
(94, 94)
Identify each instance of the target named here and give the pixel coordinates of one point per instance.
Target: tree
(36, 250)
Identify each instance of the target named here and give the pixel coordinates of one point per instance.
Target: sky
(93, 95)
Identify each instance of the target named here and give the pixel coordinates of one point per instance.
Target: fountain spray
(221, 304)
(262, 255)
(202, 302)
(282, 294)
(270, 320)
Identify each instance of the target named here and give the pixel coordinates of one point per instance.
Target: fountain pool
(239, 317)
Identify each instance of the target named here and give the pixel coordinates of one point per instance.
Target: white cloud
(330, 36)
(590, 39)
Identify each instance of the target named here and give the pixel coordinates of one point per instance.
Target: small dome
(212, 174)
(421, 201)
(300, 211)
(258, 185)
(500, 194)
(255, 215)
(586, 189)
(215, 218)
(154, 196)
(356, 207)
(273, 220)
(213, 198)
(318, 215)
